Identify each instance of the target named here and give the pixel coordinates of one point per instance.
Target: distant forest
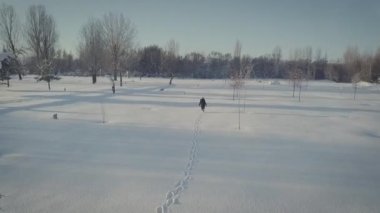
(107, 47)
(154, 61)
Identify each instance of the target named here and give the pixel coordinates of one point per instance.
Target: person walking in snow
(202, 104)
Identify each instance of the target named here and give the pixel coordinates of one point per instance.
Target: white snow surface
(317, 155)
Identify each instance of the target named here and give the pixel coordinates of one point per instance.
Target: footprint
(169, 202)
(169, 195)
(162, 209)
(176, 200)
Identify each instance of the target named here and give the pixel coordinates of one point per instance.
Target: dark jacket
(202, 103)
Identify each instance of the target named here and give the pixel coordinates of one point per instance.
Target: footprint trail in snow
(172, 197)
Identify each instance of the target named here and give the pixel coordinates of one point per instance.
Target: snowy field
(149, 145)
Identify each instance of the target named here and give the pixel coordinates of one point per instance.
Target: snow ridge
(172, 197)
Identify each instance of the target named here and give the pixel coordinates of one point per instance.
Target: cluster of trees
(40, 36)
(301, 64)
(10, 35)
(107, 46)
(154, 61)
(106, 43)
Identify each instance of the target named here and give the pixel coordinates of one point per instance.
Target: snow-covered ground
(153, 145)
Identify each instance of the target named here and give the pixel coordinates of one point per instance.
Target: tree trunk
(171, 79)
(115, 75)
(245, 97)
(233, 94)
(294, 87)
(355, 89)
(121, 79)
(94, 78)
(238, 107)
(19, 76)
(49, 85)
(299, 93)
(8, 78)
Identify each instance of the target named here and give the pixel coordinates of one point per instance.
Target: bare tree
(246, 69)
(277, 53)
(92, 46)
(40, 32)
(297, 77)
(355, 80)
(170, 59)
(172, 47)
(352, 62)
(354, 65)
(317, 60)
(375, 68)
(366, 67)
(42, 37)
(319, 66)
(237, 81)
(46, 68)
(33, 29)
(10, 29)
(130, 62)
(119, 35)
(235, 70)
(296, 72)
(308, 57)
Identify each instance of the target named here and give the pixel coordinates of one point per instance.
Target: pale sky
(215, 25)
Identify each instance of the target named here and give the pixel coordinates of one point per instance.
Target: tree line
(107, 47)
(155, 61)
